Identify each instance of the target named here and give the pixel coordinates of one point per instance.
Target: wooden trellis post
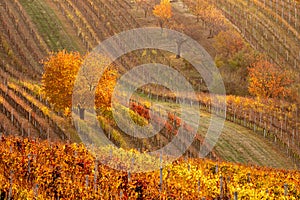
(36, 190)
(28, 169)
(129, 176)
(161, 178)
(235, 196)
(10, 186)
(221, 187)
(86, 181)
(121, 194)
(95, 175)
(285, 189)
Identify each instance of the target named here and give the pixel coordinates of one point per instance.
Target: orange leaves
(232, 51)
(163, 11)
(105, 89)
(61, 71)
(70, 171)
(266, 80)
(58, 79)
(141, 110)
(228, 43)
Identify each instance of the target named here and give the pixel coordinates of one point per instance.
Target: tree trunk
(145, 12)
(81, 113)
(179, 44)
(161, 25)
(210, 34)
(178, 51)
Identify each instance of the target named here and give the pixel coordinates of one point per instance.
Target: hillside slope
(34, 28)
(240, 144)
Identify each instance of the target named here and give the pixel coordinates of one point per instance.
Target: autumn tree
(267, 80)
(211, 17)
(233, 57)
(227, 43)
(163, 12)
(198, 9)
(97, 76)
(232, 51)
(105, 89)
(60, 70)
(61, 80)
(180, 27)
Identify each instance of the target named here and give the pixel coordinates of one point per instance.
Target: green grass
(239, 144)
(49, 26)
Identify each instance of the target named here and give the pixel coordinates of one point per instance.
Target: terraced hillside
(31, 29)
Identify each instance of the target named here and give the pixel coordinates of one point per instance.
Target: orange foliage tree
(105, 89)
(233, 58)
(61, 71)
(266, 80)
(94, 67)
(163, 11)
(232, 51)
(228, 43)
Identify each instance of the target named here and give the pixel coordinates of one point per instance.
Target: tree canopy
(267, 80)
(61, 70)
(163, 11)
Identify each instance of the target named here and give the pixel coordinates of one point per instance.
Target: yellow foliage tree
(163, 11)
